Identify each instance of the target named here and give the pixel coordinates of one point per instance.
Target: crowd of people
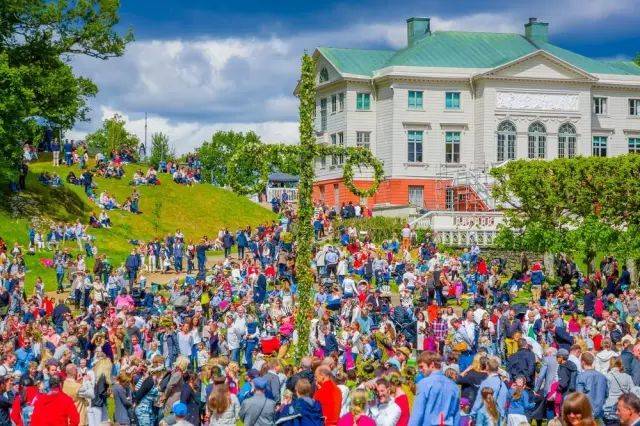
(401, 331)
(215, 347)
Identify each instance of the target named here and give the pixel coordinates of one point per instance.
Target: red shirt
(403, 402)
(330, 398)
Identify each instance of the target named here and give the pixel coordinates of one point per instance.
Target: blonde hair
(182, 363)
(358, 402)
(103, 367)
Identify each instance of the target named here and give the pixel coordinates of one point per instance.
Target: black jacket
(6, 402)
(470, 384)
(567, 374)
(522, 363)
(304, 374)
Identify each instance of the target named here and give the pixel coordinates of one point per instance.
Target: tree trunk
(549, 265)
(633, 271)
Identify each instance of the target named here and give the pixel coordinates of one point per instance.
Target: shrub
(379, 228)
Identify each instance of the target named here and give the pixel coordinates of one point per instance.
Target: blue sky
(198, 66)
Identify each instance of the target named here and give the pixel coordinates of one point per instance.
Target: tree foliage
(214, 156)
(160, 149)
(113, 136)
(581, 206)
(37, 40)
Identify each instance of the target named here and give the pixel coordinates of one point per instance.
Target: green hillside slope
(197, 210)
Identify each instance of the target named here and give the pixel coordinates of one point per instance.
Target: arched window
(537, 140)
(506, 141)
(567, 141)
(324, 75)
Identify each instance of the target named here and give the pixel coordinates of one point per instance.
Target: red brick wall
(391, 191)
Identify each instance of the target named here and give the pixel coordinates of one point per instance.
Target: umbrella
(41, 121)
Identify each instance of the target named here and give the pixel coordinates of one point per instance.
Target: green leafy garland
(265, 157)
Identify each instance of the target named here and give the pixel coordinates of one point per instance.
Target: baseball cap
(260, 383)
(253, 373)
(563, 353)
(180, 409)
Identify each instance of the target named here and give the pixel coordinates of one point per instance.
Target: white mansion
(453, 101)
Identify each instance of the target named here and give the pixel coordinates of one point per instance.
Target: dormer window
(324, 75)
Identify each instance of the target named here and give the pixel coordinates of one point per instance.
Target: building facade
(448, 107)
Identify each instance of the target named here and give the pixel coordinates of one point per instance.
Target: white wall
(617, 124)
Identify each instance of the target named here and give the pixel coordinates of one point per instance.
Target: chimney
(417, 29)
(536, 31)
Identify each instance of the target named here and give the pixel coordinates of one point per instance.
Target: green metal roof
(457, 49)
(356, 61)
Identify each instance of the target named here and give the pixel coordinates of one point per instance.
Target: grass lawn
(197, 210)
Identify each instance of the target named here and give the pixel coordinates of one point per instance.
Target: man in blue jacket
(132, 264)
(593, 384)
(437, 400)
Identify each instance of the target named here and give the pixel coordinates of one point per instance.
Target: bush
(379, 228)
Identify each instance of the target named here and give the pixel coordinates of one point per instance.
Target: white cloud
(185, 136)
(191, 88)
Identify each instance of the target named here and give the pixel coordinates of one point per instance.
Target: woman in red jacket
(54, 408)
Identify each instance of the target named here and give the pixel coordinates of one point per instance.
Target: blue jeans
(59, 280)
(235, 355)
(178, 264)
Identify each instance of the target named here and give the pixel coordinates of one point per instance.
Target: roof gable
(355, 61)
(538, 65)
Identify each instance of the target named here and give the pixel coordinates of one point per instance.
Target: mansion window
(323, 114)
(634, 107)
(416, 195)
(452, 147)
(537, 140)
(341, 102)
(363, 139)
(363, 101)
(599, 146)
(337, 139)
(506, 141)
(600, 106)
(634, 145)
(324, 75)
(334, 104)
(414, 141)
(567, 141)
(415, 99)
(452, 100)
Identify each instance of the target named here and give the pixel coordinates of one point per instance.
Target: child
(488, 414)
(465, 418)
(203, 355)
(519, 403)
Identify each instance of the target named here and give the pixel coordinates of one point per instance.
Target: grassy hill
(197, 210)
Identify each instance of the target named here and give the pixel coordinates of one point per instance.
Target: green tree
(37, 40)
(113, 136)
(215, 157)
(581, 206)
(160, 149)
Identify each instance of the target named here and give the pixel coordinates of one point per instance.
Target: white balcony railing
(461, 228)
(292, 193)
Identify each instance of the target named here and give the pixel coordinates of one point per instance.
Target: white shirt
(349, 285)
(385, 414)
(478, 314)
